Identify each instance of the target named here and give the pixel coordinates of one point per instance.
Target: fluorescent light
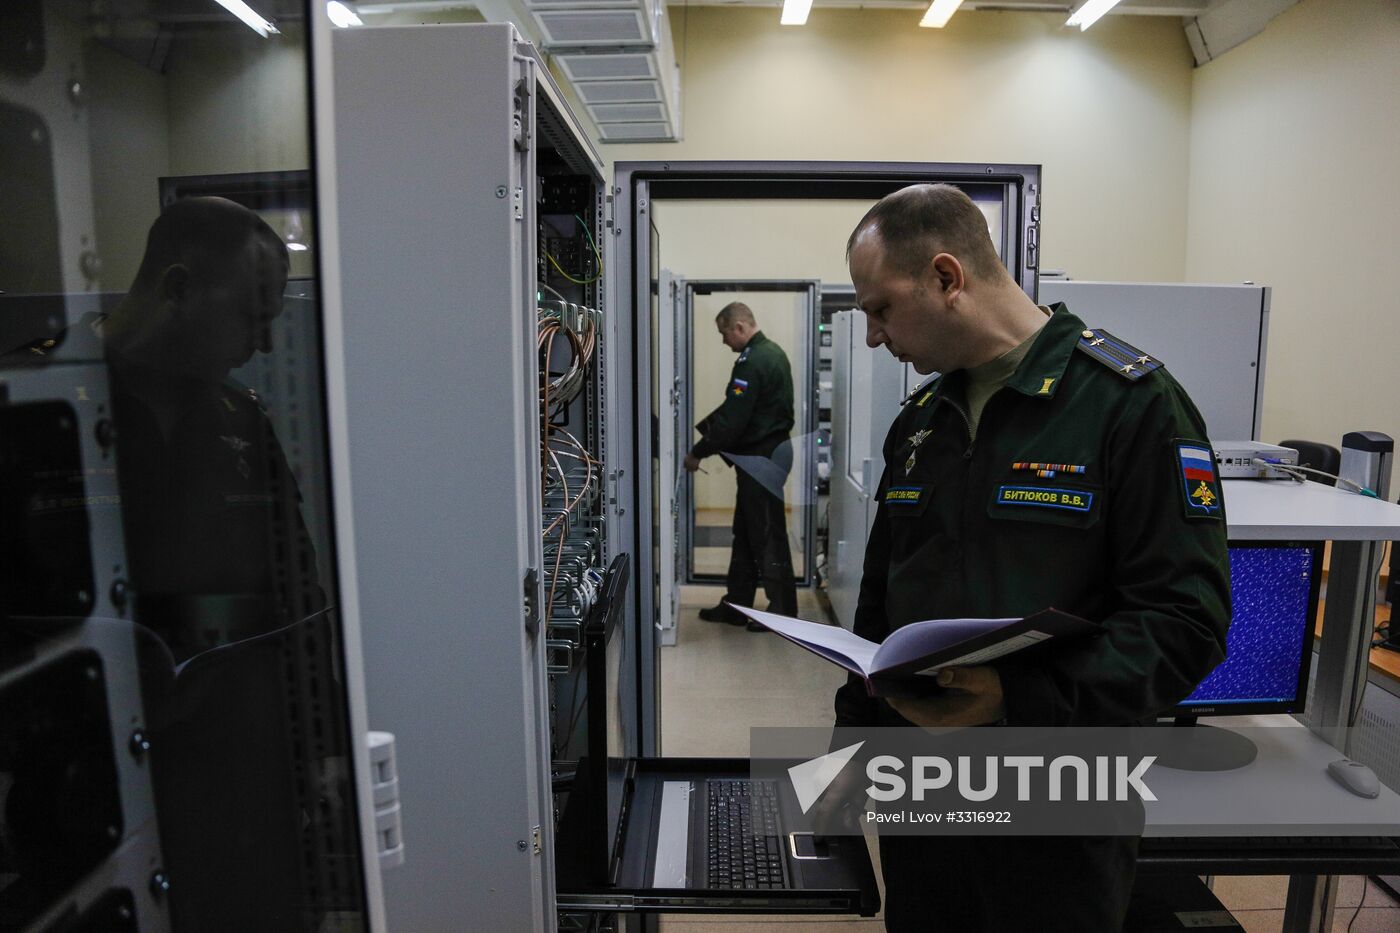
(1089, 13)
(341, 15)
(249, 16)
(939, 12)
(795, 12)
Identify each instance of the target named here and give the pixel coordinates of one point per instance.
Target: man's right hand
(692, 463)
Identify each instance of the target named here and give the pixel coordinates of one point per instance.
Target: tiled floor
(721, 680)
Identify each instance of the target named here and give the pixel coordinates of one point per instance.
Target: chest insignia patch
(739, 386)
(904, 495)
(1045, 497)
(915, 439)
(1199, 484)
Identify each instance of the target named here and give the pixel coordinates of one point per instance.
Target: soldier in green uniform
(755, 420)
(1050, 464)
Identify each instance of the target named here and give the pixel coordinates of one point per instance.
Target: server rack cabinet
(1012, 196)
(180, 738)
(471, 209)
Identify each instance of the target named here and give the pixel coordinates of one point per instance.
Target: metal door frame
(635, 184)
(808, 350)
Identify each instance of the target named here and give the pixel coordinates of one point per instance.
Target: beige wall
(1105, 112)
(1294, 184)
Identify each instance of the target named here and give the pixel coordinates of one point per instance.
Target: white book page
(830, 641)
(918, 639)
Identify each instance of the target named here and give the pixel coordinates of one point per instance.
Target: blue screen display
(1272, 614)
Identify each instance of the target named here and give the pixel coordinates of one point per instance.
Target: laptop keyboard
(738, 858)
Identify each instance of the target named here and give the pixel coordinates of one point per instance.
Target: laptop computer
(689, 834)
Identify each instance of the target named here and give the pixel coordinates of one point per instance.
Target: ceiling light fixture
(795, 12)
(939, 12)
(1089, 13)
(249, 16)
(341, 15)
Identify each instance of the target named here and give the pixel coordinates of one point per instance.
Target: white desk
(1279, 510)
(1285, 791)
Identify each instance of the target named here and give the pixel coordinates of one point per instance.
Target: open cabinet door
(672, 444)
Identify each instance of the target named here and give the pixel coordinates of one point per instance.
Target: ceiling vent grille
(618, 92)
(602, 66)
(636, 132)
(628, 113)
(599, 28)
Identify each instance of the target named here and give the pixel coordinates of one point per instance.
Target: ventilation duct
(616, 54)
(1228, 24)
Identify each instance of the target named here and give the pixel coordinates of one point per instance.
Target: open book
(912, 655)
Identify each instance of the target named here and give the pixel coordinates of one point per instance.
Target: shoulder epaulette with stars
(927, 385)
(1123, 358)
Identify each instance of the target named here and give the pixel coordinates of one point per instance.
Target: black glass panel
(60, 810)
(45, 560)
(164, 476)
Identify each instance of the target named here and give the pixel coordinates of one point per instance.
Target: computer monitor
(1274, 589)
(1274, 595)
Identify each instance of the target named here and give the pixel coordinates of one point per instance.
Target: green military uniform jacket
(756, 415)
(1085, 491)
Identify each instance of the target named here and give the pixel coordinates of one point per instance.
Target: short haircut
(201, 233)
(734, 311)
(919, 222)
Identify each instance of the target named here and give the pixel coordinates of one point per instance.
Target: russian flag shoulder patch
(1200, 484)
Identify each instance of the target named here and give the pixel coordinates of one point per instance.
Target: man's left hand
(972, 697)
(692, 463)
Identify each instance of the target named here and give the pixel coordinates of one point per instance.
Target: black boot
(721, 613)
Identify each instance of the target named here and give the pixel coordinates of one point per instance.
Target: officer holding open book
(1050, 464)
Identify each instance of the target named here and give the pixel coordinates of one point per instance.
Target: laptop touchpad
(807, 846)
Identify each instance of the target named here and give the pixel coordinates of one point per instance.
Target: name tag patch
(1044, 497)
(904, 495)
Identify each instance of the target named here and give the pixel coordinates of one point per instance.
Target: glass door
(175, 741)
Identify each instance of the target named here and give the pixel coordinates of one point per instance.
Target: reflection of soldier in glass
(222, 569)
(217, 548)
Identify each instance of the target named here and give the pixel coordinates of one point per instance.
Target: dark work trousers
(760, 550)
(1007, 884)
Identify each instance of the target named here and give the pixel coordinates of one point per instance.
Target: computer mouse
(1355, 777)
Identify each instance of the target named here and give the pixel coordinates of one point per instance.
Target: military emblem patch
(1200, 485)
(915, 440)
(739, 386)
